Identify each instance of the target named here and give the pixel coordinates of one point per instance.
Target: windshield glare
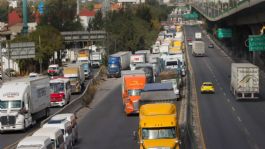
(56, 87)
(159, 133)
(10, 104)
(134, 92)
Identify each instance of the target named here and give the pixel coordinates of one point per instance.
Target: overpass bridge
(215, 10)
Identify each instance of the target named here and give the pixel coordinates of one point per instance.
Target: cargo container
(245, 80)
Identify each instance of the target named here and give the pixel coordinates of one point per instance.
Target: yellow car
(207, 87)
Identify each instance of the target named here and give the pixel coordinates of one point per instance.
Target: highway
(11, 137)
(226, 123)
(106, 124)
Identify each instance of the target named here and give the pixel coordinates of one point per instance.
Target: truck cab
(158, 126)
(22, 102)
(54, 70)
(73, 73)
(114, 66)
(60, 91)
(134, 84)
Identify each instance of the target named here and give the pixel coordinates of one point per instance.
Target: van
(73, 120)
(65, 126)
(37, 142)
(55, 134)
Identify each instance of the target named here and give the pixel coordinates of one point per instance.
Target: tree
(4, 6)
(60, 13)
(50, 40)
(97, 21)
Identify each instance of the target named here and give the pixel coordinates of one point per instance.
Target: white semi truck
(22, 102)
(245, 80)
(198, 48)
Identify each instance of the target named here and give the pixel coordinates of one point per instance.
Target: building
(85, 16)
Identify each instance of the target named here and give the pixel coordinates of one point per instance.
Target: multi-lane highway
(226, 123)
(106, 124)
(11, 137)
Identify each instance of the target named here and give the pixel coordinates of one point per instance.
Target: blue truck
(87, 70)
(118, 62)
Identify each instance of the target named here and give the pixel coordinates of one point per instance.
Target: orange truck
(133, 82)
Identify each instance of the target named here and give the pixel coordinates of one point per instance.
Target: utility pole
(1, 61)
(25, 17)
(40, 59)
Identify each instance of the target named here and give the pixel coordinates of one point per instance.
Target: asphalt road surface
(106, 124)
(11, 137)
(226, 123)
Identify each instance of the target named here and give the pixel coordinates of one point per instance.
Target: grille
(8, 120)
(136, 105)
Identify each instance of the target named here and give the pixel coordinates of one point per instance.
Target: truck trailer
(245, 80)
(23, 102)
(198, 48)
(117, 62)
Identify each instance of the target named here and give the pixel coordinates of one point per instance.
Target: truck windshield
(10, 104)
(159, 133)
(53, 68)
(172, 63)
(73, 80)
(134, 92)
(56, 87)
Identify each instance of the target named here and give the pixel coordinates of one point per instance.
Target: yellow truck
(158, 126)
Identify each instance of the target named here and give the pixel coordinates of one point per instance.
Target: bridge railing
(216, 8)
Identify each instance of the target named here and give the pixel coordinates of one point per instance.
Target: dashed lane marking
(233, 109)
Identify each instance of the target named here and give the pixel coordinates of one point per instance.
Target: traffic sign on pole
(22, 50)
(256, 42)
(224, 33)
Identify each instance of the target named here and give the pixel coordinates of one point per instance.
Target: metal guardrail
(73, 106)
(193, 128)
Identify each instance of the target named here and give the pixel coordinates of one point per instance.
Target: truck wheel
(47, 112)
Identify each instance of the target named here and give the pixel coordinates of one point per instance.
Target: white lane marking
(228, 100)
(246, 131)
(233, 109)
(239, 119)
(224, 93)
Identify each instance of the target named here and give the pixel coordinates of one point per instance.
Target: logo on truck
(11, 94)
(246, 80)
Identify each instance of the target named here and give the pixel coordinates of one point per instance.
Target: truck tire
(47, 112)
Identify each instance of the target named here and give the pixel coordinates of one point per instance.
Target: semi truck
(95, 59)
(117, 62)
(23, 102)
(132, 84)
(144, 52)
(172, 77)
(198, 48)
(245, 80)
(60, 91)
(136, 59)
(76, 75)
(158, 126)
(149, 71)
(83, 59)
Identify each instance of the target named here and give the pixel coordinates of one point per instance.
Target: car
(210, 45)
(190, 43)
(207, 87)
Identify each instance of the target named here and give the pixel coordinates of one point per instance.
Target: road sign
(224, 33)
(22, 50)
(191, 16)
(256, 42)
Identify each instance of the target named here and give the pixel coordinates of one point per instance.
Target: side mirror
(135, 136)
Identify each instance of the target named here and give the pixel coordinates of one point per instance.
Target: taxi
(207, 87)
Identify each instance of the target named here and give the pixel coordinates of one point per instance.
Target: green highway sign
(256, 42)
(224, 33)
(191, 16)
